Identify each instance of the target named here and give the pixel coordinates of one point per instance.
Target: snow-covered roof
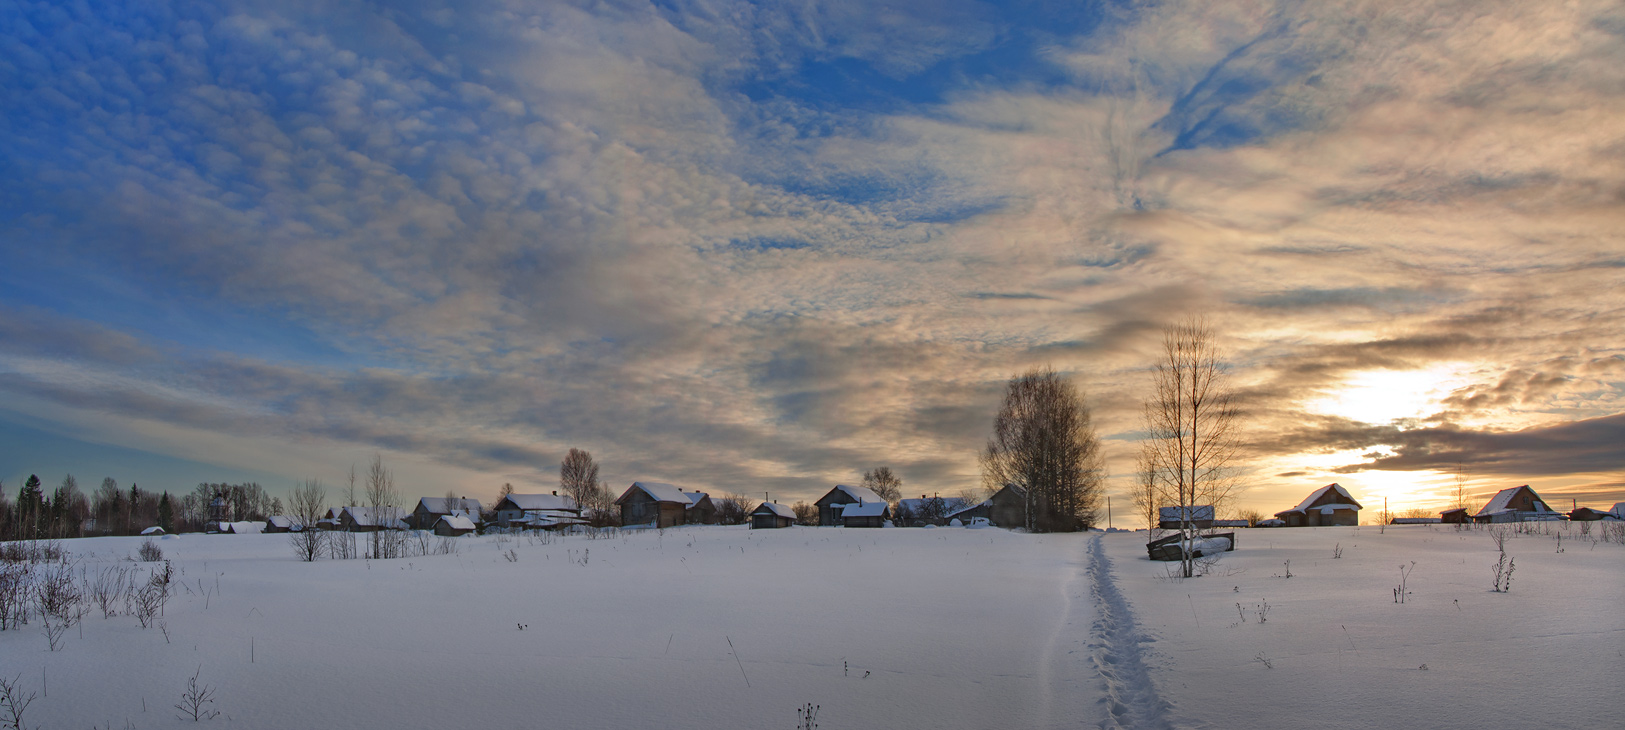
(441, 505)
(861, 494)
(243, 528)
(866, 509)
(1502, 502)
(777, 509)
(392, 517)
(283, 521)
(154, 530)
(534, 502)
(1327, 509)
(660, 492)
(962, 510)
(1197, 512)
(457, 521)
(1618, 509)
(694, 498)
(1348, 499)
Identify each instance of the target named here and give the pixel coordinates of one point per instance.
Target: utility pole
(1108, 511)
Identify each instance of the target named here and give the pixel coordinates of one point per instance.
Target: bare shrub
(195, 699)
(108, 588)
(13, 702)
(15, 586)
(307, 503)
(149, 552)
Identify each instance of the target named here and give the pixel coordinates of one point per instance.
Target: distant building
(981, 509)
(1008, 507)
(653, 503)
(1457, 516)
(771, 515)
(431, 509)
(700, 510)
(1518, 504)
(282, 523)
(829, 515)
(453, 525)
(365, 519)
(1414, 521)
(1327, 506)
(536, 511)
(1200, 516)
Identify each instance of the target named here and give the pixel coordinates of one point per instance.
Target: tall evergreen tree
(29, 503)
(166, 513)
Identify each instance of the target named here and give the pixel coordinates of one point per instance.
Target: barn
(700, 510)
(865, 514)
(965, 514)
(1008, 507)
(431, 509)
(536, 510)
(772, 515)
(282, 523)
(654, 504)
(1457, 516)
(1518, 504)
(829, 515)
(1327, 506)
(453, 525)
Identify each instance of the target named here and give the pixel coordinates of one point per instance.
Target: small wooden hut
(1324, 507)
(771, 515)
(865, 514)
(829, 510)
(1518, 504)
(654, 504)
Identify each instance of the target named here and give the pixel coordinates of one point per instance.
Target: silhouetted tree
(1043, 442)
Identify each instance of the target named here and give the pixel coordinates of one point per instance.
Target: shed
(536, 510)
(283, 523)
(653, 503)
(1457, 516)
(700, 510)
(154, 530)
(772, 515)
(865, 514)
(1518, 504)
(1199, 515)
(1324, 507)
(1587, 514)
(965, 514)
(829, 515)
(365, 519)
(453, 525)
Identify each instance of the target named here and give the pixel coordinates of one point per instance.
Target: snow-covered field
(940, 628)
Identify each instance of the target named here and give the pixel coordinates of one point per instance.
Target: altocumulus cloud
(748, 248)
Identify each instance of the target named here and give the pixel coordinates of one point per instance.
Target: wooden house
(282, 523)
(1518, 504)
(865, 514)
(1457, 516)
(981, 509)
(1587, 514)
(1008, 507)
(771, 515)
(431, 509)
(453, 525)
(654, 504)
(536, 511)
(1199, 516)
(365, 519)
(829, 515)
(700, 510)
(1327, 506)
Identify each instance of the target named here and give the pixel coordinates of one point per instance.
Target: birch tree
(1044, 444)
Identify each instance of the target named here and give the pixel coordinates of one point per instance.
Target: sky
(761, 248)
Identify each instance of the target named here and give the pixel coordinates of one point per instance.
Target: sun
(1385, 396)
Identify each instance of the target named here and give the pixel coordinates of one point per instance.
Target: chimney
(555, 492)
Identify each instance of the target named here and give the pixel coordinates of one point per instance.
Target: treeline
(66, 511)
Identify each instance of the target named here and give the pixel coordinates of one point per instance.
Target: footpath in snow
(1247, 646)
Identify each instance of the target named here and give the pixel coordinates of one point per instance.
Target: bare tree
(884, 483)
(1191, 425)
(1044, 443)
(578, 476)
(383, 501)
(1144, 494)
(806, 514)
(734, 509)
(309, 501)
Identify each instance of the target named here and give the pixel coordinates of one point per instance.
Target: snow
(777, 509)
(662, 492)
(1047, 631)
(541, 502)
(694, 498)
(861, 494)
(154, 530)
(954, 514)
(866, 509)
(1196, 512)
(457, 521)
(442, 505)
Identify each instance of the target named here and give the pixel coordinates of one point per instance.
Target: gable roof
(457, 521)
(443, 506)
(866, 509)
(658, 491)
(387, 517)
(1618, 509)
(283, 521)
(1502, 501)
(857, 494)
(775, 508)
(1346, 502)
(694, 498)
(537, 502)
(963, 510)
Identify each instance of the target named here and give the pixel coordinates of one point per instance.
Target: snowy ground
(1343, 654)
(943, 628)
